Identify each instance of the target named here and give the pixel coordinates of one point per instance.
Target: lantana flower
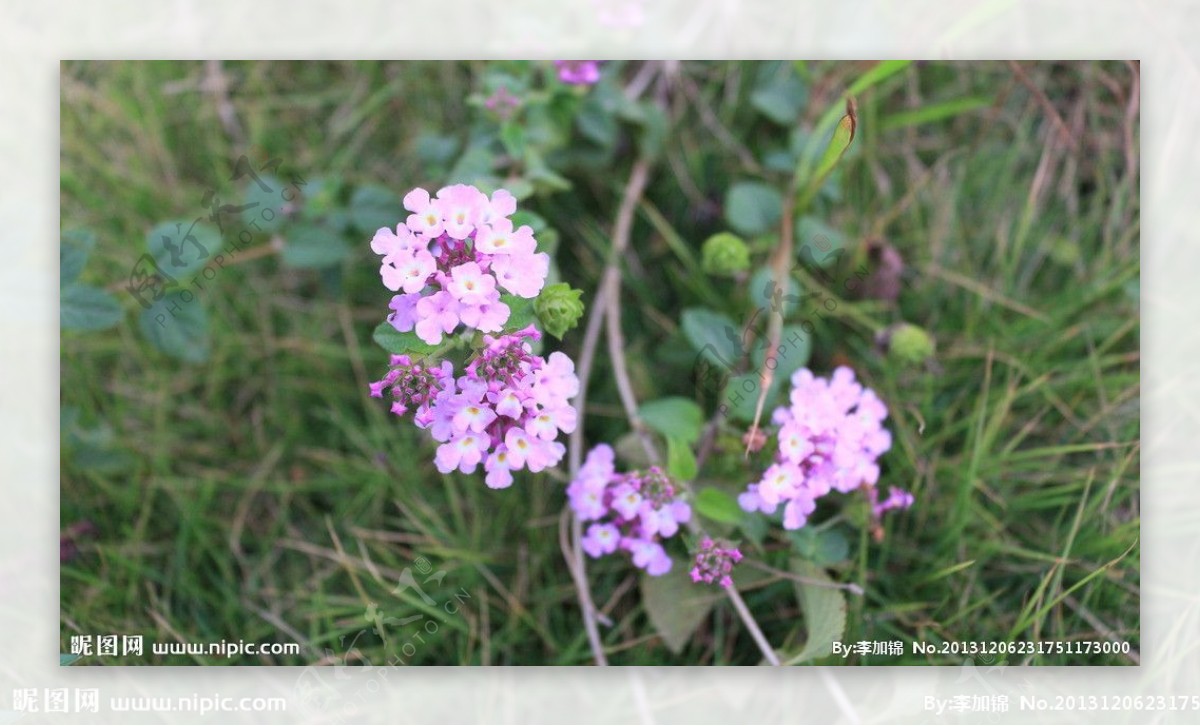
(714, 561)
(578, 72)
(631, 512)
(503, 413)
(453, 257)
(830, 438)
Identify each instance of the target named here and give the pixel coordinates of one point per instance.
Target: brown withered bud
(886, 268)
(754, 439)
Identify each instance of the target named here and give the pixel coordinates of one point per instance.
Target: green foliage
(82, 307)
(824, 610)
(674, 417)
(718, 505)
(675, 605)
(710, 332)
(753, 207)
(393, 341)
(178, 326)
(559, 307)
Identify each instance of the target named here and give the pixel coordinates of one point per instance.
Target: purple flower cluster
(631, 512)
(714, 561)
(578, 72)
(896, 499)
(830, 438)
(505, 412)
(451, 259)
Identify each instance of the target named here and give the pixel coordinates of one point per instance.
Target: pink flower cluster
(714, 562)
(451, 259)
(578, 72)
(631, 512)
(505, 412)
(830, 438)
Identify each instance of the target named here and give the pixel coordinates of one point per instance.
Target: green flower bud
(724, 254)
(559, 308)
(910, 344)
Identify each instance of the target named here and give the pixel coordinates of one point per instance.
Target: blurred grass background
(262, 496)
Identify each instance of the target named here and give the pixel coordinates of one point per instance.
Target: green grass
(263, 496)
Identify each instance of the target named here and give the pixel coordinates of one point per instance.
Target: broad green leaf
(178, 326)
(674, 417)
(718, 505)
(393, 341)
(654, 127)
(73, 249)
(476, 162)
(66, 659)
(373, 207)
(781, 96)
(821, 547)
(824, 610)
(83, 307)
(818, 244)
(311, 245)
(512, 135)
(714, 335)
(264, 206)
(795, 348)
(753, 207)
(681, 461)
(768, 298)
(675, 605)
(183, 247)
(741, 396)
(597, 123)
(520, 311)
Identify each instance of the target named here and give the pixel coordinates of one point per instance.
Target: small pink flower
(436, 315)
(522, 275)
(601, 539)
(426, 218)
(499, 473)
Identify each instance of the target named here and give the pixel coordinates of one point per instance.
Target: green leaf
(817, 243)
(753, 207)
(66, 659)
(597, 123)
(393, 341)
(719, 506)
(824, 611)
(512, 135)
(766, 296)
(270, 199)
(714, 335)
(795, 349)
(681, 461)
(675, 605)
(311, 245)
(843, 134)
(373, 207)
(182, 247)
(821, 547)
(476, 162)
(178, 326)
(936, 112)
(73, 249)
(520, 311)
(83, 307)
(781, 97)
(674, 417)
(654, 129)
(741, 396)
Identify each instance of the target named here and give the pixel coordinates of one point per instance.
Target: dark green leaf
(824, 608)
(675, 605)
(712, 334)
(373, 207)
(653, 132)
(818, 244)
(681, 461)
(314, 245)
(597, 123)
(178, 326)
(264, 206)
(768, 298)
(674, 417)
(393, 341)
(781, 98)
(520, 311)
(822, 547)
(512, 135)
(753, 207)
(741, 396)
(719, 506)
(183, 247)
(73, 249)
(82, 307)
